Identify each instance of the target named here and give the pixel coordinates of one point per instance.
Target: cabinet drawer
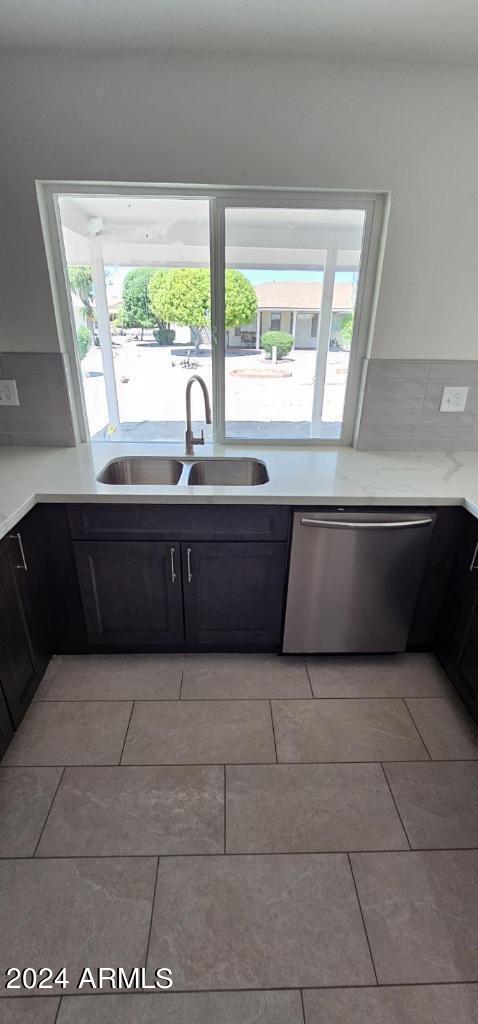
(183, 522)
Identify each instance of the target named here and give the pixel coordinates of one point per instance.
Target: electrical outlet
(454, 399)
(8, 392)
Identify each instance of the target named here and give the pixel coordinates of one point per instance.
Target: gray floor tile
(62, 733)
(121, 811)
(438, 802)
(200, 732)
(421, 914)
(256, 922)
(225, 676)
(75, 913)
(386, 675)
(26, 796)
(425, 1004)
(29, 1010)
(112, 677)
(345, 730)
(288, 808)
(186, 1008)
(446, 727)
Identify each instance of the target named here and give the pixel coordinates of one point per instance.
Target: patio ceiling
(168, 232)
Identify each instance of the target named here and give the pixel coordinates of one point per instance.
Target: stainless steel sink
(228, 472)
(139, 469)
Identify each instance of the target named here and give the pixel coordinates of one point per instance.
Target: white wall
(224, 120)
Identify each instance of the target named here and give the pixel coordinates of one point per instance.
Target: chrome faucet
(190, 439)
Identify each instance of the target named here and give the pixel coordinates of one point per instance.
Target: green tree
(81, 283)
(281, 340)
(183, 296)
(137, 310)
(83, 336)
(346, 330)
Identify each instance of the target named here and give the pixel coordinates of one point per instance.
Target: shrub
(284, 343)
(84, 341)
(164, 335)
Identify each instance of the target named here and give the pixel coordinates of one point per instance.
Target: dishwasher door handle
(338, 524)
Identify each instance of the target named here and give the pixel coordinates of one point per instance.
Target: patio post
(258, 330)
(323, 338)
(104, 332)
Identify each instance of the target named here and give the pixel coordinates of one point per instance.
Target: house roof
(304, 295)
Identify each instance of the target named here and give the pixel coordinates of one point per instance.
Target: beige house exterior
(294, 306)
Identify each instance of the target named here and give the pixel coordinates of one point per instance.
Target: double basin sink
(156, 469)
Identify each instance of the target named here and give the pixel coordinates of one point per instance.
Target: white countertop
(331, 476)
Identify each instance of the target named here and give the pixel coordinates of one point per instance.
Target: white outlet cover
(453, 399)
(8, 392)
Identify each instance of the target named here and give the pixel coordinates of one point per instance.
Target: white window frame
(376, 207)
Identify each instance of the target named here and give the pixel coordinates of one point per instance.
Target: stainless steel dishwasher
(354, 579)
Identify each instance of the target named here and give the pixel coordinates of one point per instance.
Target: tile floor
(297, 840)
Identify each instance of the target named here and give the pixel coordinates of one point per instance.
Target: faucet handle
(202, 438)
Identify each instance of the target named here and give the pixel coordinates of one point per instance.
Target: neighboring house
(294, 306)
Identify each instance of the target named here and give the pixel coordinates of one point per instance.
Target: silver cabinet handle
(188, 559)
(18, 538)
(172, 552)
(336, 524)
(474, 559)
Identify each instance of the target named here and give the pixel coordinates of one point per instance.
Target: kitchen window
(267, 294)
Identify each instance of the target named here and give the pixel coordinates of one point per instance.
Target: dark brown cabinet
(18, 675)
(131, 594)
(457, 646)
(207, 584)
(233, 595)
(6, 729)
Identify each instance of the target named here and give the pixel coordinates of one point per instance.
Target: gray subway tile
(404, 369)
(438, 802)
(75, 913)
(421, 914)
(26, 795)
(310, 808)
(412, 1004)
(454, 371)
(134, 810)
(259, 922)
(65, 733)
(185, 1008)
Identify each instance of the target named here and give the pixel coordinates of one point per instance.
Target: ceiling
(426, 31)
(174, 232)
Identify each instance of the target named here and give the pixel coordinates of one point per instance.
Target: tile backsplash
(43, 416)
(401, 406)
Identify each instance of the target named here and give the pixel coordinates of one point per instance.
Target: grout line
(152, 914)
(310, 683)
(363, 919)
(273, 731)
(49, 811)
(57, 1014)
(396, 805)
(199, 764)
(471, 982)
(418, 730)
(240, 853)
(225, 820)
(181, 685)
(225, 700)
(302, 1004)
(126, 733)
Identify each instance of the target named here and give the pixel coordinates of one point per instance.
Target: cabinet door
(233, 595)
(29, 547)
(6, 730)
(468, 662)
(17, 665)
(131, 594)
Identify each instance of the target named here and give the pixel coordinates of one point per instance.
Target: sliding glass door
(287, 353)
(267, 294)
